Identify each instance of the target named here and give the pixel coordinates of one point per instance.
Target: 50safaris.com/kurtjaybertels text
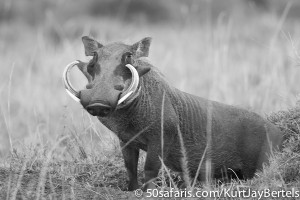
(224, 193)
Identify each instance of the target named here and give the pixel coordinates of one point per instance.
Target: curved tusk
(66, 80)
(133, 86)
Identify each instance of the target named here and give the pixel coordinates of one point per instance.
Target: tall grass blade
(8, 107)
(208, 172)
(162, 133)
(184, 160)
(199, 167)
(169, 174)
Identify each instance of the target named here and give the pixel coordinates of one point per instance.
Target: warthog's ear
(141, 48)
(90, 45)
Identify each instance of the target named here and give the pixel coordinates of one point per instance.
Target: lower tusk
(133, 85)
(66, 80)
(124, 97)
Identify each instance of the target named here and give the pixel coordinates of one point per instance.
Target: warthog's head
(113, 75)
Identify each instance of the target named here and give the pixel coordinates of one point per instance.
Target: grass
(50, 147)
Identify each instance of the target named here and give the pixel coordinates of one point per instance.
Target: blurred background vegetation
(239, 52)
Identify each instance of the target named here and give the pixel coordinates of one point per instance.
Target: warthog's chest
(127, 131)
(133, 142)
(133, 138)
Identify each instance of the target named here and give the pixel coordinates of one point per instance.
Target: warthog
(133, 99)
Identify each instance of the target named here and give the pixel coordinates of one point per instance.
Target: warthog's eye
(128, 58)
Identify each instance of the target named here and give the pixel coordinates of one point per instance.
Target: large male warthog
(132, 98)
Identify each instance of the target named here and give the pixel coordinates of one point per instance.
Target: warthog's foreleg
(131, 157)
(152, 166)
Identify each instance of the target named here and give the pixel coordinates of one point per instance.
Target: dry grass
(59, 151)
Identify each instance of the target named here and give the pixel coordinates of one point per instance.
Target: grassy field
(51, 148)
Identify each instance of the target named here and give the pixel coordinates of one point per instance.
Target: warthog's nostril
(99, 109)
(90, 110)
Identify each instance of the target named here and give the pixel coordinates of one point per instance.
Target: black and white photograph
(149, 99)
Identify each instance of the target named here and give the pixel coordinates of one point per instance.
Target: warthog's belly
(216, 164)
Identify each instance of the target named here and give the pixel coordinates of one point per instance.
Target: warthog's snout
(95, 107)
(99, 109)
